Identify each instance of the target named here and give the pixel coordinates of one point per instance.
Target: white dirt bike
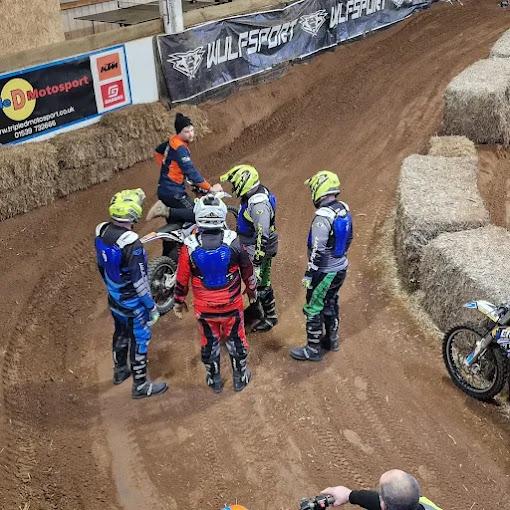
(477, 357)
(163, 269)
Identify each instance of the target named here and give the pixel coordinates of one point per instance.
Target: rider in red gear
(215, 261)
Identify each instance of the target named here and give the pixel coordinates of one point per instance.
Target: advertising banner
(41, 99)
(214, 54)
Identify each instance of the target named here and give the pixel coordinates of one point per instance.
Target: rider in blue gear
(122, 263)
(328, 242)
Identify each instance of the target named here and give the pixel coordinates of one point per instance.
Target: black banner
(45, 98)
(217, 53)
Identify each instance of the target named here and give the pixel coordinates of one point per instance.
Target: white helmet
(210, 212)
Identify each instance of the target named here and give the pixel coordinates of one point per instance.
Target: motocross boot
(269, 305)
(213, 376)
(143, 387)
(120, 348)
(312, 351)
(330, 341)
(240, 372)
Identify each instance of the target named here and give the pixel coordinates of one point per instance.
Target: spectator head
(399, 490)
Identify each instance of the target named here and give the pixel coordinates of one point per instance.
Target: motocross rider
(174, 159)
(328, 242)
(215, 261)
(122, 263)
(257, 232)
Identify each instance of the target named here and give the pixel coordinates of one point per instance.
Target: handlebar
(317, 502)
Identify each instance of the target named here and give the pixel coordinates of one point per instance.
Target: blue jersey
(122, 262)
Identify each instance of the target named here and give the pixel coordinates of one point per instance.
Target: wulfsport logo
(18, 97)
(187, 63)
(311, 23)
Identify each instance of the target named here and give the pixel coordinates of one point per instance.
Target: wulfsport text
(223, 50)
(354, 9)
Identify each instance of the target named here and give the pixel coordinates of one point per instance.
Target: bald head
(399, 490)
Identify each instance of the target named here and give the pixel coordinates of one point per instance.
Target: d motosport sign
(214, 54)
(41, 99)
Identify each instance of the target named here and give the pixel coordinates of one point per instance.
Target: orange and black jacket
(174, 158)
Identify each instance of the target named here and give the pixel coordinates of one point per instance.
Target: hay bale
(476, 102)
(85, 157)
(461, 266)
(452, 147)
(501, 48)
(435, 195)
(27, 177)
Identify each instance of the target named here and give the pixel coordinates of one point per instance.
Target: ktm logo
(109, 66)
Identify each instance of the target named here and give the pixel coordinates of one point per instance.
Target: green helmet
(323, 183)
(243, 178)
(126, 205)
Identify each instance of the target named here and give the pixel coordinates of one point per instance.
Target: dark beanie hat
(181, 121)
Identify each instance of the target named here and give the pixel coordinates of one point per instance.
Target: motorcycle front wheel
(482, 380)
(162, 275)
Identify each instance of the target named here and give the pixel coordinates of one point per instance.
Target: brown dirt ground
(71, 441)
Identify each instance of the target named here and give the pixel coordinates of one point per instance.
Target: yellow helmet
(126, 205)
(243, 178)
(323, 183)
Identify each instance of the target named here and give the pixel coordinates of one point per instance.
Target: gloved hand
(154, 316)
(179, 308)
(252, 295)
(215, 188)
(306, 282)
(502, 310)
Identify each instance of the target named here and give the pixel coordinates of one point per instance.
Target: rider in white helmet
(215, 262)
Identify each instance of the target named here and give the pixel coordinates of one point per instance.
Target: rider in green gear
(257, 233)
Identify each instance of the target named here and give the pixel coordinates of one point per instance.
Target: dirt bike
(477, 357)
(163, 269)
(316, 503)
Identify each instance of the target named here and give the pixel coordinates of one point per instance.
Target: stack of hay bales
(84, 158)
(476, 102)
(502, 47)
(436, 194)
(27, 177)
(462, 266)
(452, 147)
(34, 174)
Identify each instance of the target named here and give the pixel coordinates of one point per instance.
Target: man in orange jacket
(176, 167)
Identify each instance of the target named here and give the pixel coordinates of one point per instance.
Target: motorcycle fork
(481, 347)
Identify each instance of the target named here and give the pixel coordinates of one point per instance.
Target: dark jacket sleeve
(365, 499)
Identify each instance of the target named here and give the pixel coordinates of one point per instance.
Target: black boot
(269, 305)
(121, 370)
(264, 323)
(240, 371)
(330, 341)
(312, 351)
(143, 387)
(213, 376)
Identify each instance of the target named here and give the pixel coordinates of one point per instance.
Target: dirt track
(70, 441)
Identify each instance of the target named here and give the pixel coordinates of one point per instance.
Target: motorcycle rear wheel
(485, 378)
(162, 274)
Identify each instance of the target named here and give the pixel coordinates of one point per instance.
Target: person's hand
(154, 316)
(252, 295)
(306, 282)
(179, 308)
(340, 493)
(215, 188)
